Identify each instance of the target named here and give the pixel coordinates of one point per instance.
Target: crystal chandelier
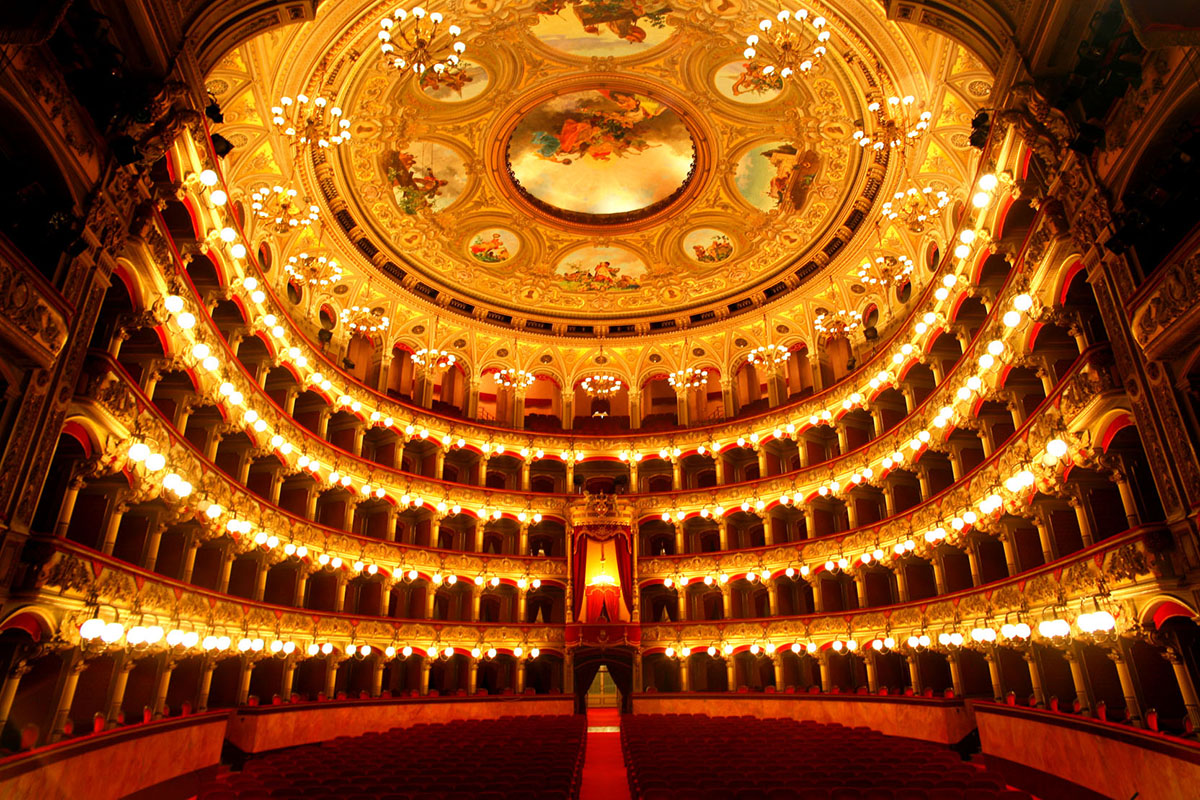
(689, 378)
(414, 41)
(432, 359)
(510, 377)
(768, 355)
(838, 323)
(601, 385)
(915, 208)
(892, 124)
(304, 120)
(886, 270)
(282, 208)
(313, 270)
(362, 320)
(791, 43)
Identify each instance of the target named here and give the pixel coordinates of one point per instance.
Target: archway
(618, 667)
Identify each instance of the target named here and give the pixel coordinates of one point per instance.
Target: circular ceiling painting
(601, 155)
(603, 28)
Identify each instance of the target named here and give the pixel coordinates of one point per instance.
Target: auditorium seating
(530, 758)
(746, 758)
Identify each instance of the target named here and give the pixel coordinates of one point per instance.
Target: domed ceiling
(596, 161)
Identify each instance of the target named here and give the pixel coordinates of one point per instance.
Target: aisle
(604, 769)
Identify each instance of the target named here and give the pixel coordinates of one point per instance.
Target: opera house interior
(804, 412)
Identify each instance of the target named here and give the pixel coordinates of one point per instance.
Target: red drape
(625, 569)
(579, 578)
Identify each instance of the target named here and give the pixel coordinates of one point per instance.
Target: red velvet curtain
(625, 569)
(579, 576)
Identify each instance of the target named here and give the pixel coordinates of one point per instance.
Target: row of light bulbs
(988, 183)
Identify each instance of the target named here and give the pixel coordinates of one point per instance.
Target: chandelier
(690, 378)
(432, 359)
(304, 120)
(887, 270)
(838, 323)
(916, 207)
(412, 41)
(601, 385)
(363, 320)
(282, 209)
(313, 270)
(514, 378)
(896, 125)
(769, 355)
(794, 45)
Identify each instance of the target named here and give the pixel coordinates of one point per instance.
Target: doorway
(603, 691)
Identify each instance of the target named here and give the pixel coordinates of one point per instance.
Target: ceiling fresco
(597, 161)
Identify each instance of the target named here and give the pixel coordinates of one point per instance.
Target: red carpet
(604, 770)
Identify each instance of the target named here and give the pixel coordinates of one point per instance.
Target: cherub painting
(708, 246)
(777, 176)
(426, 177)
(623, 18)
(493, 246)
(597, 269)
(600, 130)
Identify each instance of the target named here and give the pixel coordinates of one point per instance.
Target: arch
(1164, 607)
(33, 620)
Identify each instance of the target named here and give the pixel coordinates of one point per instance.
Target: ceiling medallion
(282, 209)
(689, 378)
(915, 207)
(795, 45)
(893, 124)
(415, 41)
(313, 270)
(606, 154)
(887, 270)
(842, 322)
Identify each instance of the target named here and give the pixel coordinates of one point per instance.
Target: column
(289, 402)
(430, 597)
(569, 673)
(12, 680)
(1084, 520)
(723, 532)
(768, 528)
(301, 585)
(872, 673)
(777, 663)
(956, 462)
(1127, 500)
(826, 673)
(860, 584)
(163, 685)
(212, 443)
(289, 674)
(1010, 551)
(1035, 675)
(523, 539)
(773, 597)
(112, 527)
(901, 581)
(1186, 687)
(762, 461)
(518, 407)
(1045, 538)
(525, 479)
(189, 560)
(425, 667)
(635, 408)
(275, 487)
(680, 538)
(1079, 678)
(331, 670)
(726, 601)
(843, 438)
(567, 404)
(520, 676)
(727, 398)
(205, 684)
(389, 525)
(1132, 707)
(570, 489)
(731, 672)
(681, 405)
(310, 505)
(260, 580)
(955, 673)
(377, 677)
(476, 596)
(473, 676)
(153, 541)
(684, 682)
(973, 559)
(719, 463)
(73, 667)
(914, 671)
(68, 507)
(226, 567)
(683, 603)
(939, 572)
(339, 603)
(116, 691)
(323, 422)
(244, 674)
(676, 474)
(993, 662)
(360, 431)
(818, 595)
(522, 597)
